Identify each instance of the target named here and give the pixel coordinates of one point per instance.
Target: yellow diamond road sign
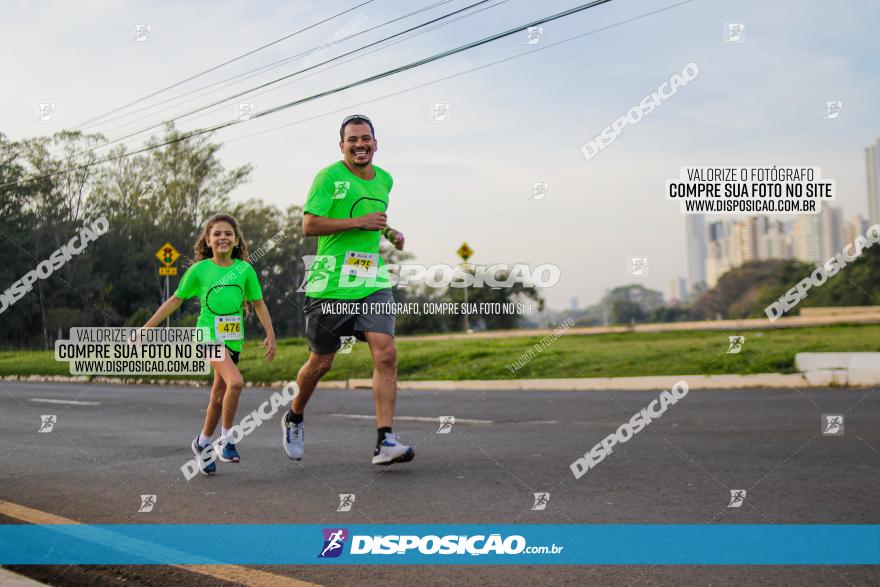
(167, 255)
(465, 252)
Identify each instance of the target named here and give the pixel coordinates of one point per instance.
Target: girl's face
(222, 239)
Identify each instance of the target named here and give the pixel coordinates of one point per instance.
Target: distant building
(818, 237)
(743, 241)
(831, 231)
(812, 238)
(854, 227)
(872, 163)
(772, 242)
(696, 249)
(718, 252)
(806, 239)
(678, 290)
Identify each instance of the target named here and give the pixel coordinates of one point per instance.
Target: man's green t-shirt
(347, 265)
(222, 292)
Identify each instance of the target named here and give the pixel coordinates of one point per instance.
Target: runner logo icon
(346, 500)
(318, 269)
(446, 423)
(832, 424)
(334, 541)
(340, 189)
(736, 344)
(541, 500)
(737, 497)
(47, 422)
(638, 266)
(147, 503)
(347, 343)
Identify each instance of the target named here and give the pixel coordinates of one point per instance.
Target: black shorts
(233, 354)
(329, 320)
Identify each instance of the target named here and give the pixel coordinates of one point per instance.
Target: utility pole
(465, 252)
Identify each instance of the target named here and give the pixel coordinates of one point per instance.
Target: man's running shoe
(205, 457)
(229, 454)
(294, 437)
(390, 451)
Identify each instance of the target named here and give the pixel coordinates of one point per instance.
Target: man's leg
(388, 450)
(292, 424)
(307, 379)
(384, 376)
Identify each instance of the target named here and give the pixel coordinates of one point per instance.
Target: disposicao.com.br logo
(334, 541)
(431, 544)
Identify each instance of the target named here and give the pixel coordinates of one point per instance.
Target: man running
(348, 293)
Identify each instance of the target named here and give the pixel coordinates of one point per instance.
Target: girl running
(224, 281)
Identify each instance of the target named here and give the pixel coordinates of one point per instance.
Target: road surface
(111, 444)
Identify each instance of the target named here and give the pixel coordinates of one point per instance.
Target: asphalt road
(121, 442)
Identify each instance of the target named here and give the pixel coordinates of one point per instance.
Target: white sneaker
(294, 438)
(390, 451)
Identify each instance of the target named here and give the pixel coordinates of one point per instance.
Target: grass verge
(600, 355)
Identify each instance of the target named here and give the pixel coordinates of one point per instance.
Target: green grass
(601, 355)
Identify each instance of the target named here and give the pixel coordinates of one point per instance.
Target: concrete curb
(853, 369)
(651, 383)
(12, 579)
(822, 378)
(163, 382)
(865, 315)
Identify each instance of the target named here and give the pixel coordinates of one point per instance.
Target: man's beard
(369, 160)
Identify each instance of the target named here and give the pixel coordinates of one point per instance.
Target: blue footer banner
(269, 544)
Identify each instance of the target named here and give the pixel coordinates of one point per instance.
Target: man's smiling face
(358, 144)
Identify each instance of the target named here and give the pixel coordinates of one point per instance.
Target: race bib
(228, 327)
(360, 264)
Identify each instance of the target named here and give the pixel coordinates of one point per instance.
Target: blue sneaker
(229, 454)
(205, 456)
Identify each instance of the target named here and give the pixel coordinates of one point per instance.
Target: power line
(372, 78)
(256, 71)
(216, 67)
(425, 60)
(460, 73)
(365, 54)
(282, 78)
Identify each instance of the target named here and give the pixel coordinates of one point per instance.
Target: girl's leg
(234, 383)
(215, 405)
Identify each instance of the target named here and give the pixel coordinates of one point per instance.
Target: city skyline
(715, 246)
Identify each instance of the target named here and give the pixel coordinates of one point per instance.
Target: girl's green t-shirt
(222, 292)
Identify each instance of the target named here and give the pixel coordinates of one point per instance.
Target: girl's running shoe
(229, 454)
(205, 457)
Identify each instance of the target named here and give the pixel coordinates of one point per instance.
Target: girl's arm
(263, 314)
(166, 309)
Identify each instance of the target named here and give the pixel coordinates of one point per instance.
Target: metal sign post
(167, 255)
(465, 252)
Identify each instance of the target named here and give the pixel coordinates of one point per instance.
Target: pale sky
(759, 102)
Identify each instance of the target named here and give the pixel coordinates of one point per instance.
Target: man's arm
(395, 237)
(314, 225)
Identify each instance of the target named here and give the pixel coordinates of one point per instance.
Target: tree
(631, 303)
(277, 248)
(746, 291)
(60, 185)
